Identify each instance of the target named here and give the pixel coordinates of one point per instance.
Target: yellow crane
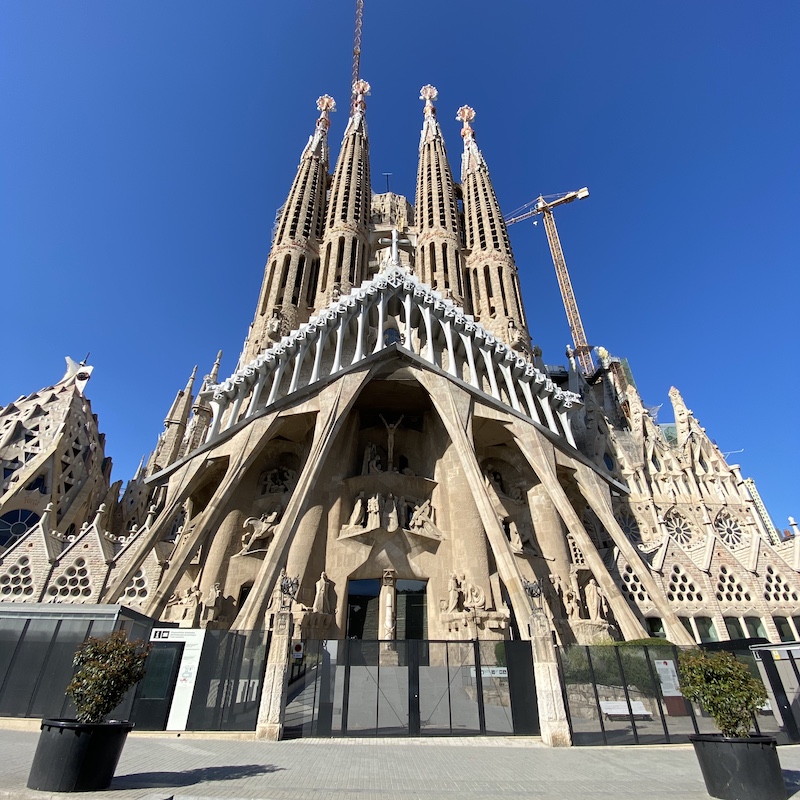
(545, 206)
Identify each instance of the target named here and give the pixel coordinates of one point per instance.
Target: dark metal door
(154, 693)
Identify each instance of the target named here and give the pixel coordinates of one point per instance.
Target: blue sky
(146, 146)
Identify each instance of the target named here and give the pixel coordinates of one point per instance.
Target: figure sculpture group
(391, 513)
(570, 596)
(463, 595)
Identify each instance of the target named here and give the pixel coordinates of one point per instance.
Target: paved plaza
(160, 767)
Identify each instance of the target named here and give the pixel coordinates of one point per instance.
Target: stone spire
(491, 272)
(439, 258)
(345, 248)
(201, 412)
(169, 443)
(290, 277)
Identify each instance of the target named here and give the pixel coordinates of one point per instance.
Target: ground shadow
(791, 778)
(188, 777)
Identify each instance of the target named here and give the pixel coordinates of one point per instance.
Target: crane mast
(541, 206)
(582, 348)
(357, 44)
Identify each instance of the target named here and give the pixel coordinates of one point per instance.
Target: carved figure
(274, 325)
(375, 463)
(374, 512)
(421, 515)
(596, 602)
(516, 539)
(357, 517)
(369, 454)
(402, 512)
(571, 604)
(211, 605)
(190, 602)
(453, 593)
(558, 586)
(262, 533)
(474, 596)
(322, 602)
(390, 432)
(390, 518)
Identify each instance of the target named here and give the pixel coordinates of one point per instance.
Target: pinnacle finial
(325, 105)
(361, 90)
(466, 114)
(428, 93)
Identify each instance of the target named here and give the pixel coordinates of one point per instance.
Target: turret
(169, 443)
(439, 250)
(345, 246)
(492, 278)
(290, 277)
(201, 412)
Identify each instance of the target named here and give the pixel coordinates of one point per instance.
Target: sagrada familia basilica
(393, 444)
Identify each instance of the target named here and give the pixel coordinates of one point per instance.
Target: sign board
(491, 672)
(297, 650)
(187, 671)
(668, 676)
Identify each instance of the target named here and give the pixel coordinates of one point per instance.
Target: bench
(618, 710)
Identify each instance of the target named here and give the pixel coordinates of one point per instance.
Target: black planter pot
(740, 769)
(74, 756)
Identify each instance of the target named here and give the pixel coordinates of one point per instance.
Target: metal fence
(357, 687)
(618, 695)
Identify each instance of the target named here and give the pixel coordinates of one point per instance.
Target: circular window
(630, 527)
(729, 530)
(15, 524)
(679, 529)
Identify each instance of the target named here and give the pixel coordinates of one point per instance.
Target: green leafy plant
(724, 687)
(106, 668)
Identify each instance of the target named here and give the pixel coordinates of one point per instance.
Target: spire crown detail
(466, 114)
(428, 93)
(325, 105)
(361, 89)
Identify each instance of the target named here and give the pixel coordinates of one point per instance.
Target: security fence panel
(494, 669)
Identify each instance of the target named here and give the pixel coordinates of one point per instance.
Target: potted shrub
(735, 765)
(80, 755)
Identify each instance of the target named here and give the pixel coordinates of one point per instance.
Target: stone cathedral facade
(393, 441)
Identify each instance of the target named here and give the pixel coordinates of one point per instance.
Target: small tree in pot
(735, 766)
(81, 754)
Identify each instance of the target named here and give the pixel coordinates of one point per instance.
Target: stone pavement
(160, 767)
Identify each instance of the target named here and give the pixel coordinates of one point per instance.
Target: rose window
(679, 529)
(729, 530)
(630, 527)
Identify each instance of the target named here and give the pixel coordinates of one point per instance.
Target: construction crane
(545, 207)
(357, 45)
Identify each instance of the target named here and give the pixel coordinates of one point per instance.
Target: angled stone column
(335, 402)
(272, 709)
(553, 724)
(531, 445)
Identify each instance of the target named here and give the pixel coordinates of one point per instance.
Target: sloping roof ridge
(396, 277)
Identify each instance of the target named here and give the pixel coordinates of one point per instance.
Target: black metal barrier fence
(630, 694)
(356, 687)
(36, 654)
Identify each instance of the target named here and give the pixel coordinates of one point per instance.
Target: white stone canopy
(426, 324)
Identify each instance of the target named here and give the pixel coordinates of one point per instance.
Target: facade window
(655, 627)
(706, 629)
(784, 629)
(755, 628)
(733, 627)
(15, 524)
